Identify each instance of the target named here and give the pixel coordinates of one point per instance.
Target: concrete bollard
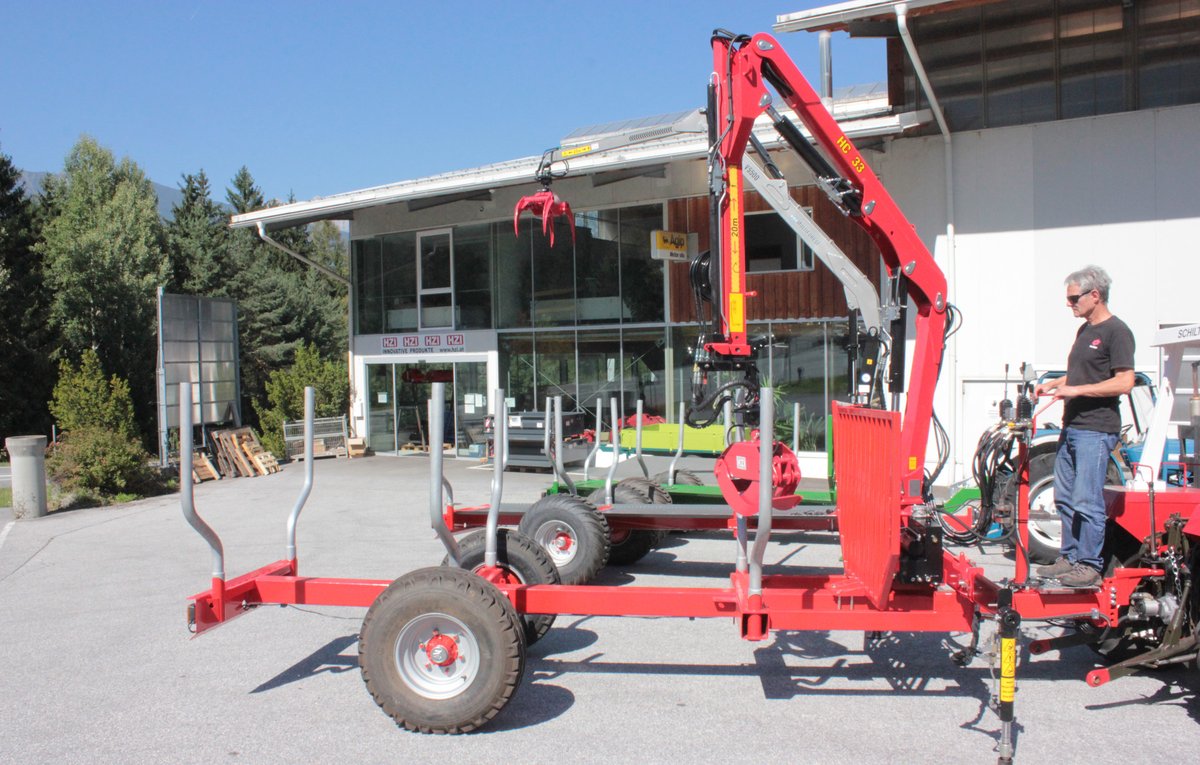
(28, 455)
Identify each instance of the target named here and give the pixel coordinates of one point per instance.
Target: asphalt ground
(98, 666)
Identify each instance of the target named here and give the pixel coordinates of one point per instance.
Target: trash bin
(28, 456)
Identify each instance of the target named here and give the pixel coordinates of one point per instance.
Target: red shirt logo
(1096, 344)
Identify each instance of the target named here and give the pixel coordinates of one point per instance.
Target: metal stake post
(638, 440)
(559, 469)
(499, 464)
(309, 410)
(436, 410)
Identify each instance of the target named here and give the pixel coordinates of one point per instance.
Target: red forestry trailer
(442, 649)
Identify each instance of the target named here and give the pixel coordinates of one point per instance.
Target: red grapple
(737, 475)
(546, 204)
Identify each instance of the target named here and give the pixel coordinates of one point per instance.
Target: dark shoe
(1081, 577)
(1056, 569)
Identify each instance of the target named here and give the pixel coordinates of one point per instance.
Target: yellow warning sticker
(912, 463)
(575, 151)
(737, 313)
(1008, 668)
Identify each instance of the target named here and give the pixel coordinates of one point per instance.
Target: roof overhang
(859, 120)
(843, 16)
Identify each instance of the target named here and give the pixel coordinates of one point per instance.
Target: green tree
(196, 239)
(285, 394)
(103, 245)
(25, 370)
(282, 303)
(84, 398)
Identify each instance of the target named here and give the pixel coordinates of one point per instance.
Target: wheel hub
(441, 650)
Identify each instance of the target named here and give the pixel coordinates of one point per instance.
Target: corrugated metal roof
(864, 114)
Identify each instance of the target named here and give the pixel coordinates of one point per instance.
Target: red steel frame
(885, 457)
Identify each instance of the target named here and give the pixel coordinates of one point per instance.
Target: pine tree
(103, 247)
(196, 240)
(25, 370)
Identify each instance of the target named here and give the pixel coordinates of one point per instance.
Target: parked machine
(442, 649)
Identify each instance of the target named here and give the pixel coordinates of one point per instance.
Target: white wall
(1034, 203)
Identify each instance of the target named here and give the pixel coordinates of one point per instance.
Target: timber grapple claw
(548, 206)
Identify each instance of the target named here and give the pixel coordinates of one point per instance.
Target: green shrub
(285, 395)
(99, 455)
(99, 461)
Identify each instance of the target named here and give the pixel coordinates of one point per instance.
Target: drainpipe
(951, 257)
(262, 234)
(825, 54)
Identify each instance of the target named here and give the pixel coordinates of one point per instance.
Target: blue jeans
(1079, 470)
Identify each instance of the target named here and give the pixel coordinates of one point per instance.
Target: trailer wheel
(572, 532)
(682, 478)
(631, 545)
(521, 561)
(441, 651)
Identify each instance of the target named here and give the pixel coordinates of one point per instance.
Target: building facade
(1022, 139)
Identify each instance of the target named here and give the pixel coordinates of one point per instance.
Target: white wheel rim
(1044, 522)
(422, 671)
(559, 541)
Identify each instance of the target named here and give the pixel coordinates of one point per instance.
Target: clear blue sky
(318, 98)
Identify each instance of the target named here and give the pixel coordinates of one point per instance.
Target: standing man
(1099, 372)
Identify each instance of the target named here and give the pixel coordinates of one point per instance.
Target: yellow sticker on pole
(735, 230)
(737, 313)
(1008, 668)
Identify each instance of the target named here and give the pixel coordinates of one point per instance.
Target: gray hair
(1091, 278)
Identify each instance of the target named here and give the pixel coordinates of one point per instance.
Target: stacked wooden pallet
(239, 453)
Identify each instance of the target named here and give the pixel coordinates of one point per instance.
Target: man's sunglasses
(1074, 299)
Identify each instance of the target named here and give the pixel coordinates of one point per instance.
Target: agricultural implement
(442, 649)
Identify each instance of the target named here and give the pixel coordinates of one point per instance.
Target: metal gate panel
(866, 465)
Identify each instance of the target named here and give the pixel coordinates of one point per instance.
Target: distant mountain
(168, 196)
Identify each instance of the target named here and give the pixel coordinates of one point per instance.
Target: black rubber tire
(1045, 535)
(683, 477)
(630, 546)
(521, 557)
(455, 604)
(567, 514)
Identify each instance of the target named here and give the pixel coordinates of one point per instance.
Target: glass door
(470, 407)
(381, 411)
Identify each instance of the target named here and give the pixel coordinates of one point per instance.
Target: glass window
(473, 276)
(772, 245)
(641, 275)
(1168, 52)
(556, 368)
(514, 275)
(799, 366)
(436, 293)
(645, 365)
(516, 370)
(597, 267)
(553, 277)
(599, 372)
(399, 282)
(368, 286)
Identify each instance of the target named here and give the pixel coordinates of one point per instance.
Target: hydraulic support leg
(1010, 624)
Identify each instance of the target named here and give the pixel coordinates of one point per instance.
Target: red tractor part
(546, 204)
(737, 475)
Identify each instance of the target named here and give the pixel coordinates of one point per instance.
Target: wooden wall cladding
(781, 295)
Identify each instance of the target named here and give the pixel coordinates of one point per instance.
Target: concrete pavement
(98, 665)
